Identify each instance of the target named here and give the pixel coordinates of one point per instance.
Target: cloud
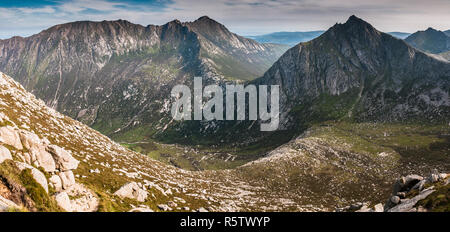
(45, 10)
(246, 17)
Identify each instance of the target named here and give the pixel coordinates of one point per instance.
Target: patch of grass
(438, 201)
(43, 202)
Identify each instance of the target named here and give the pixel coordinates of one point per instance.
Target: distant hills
(430, 40)
(289, 38)
(400, 35)
(356, 71)
(293, 38)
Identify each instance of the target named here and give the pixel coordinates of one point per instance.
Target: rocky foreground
(412, 193)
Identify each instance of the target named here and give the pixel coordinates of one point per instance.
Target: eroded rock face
(32, 153)
(43, 159)
(63, 159)
(84, 200)
(9, 136)
(5, 154)
(6, 204)
(56, 182)
(406, 200)
(408, 204)
(29, 140)
(67, 179)
(36, 155)
(132, 191)
(63, 201)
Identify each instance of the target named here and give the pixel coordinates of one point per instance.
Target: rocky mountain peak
(207, 24)
(348, 57)
(355, 26)
(205, 18)
(174, 22)
(430, 29)
(430, 40)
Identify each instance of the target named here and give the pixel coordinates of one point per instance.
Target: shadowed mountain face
(114, 74)
(354, 71)
(431, 41)
(447, 32)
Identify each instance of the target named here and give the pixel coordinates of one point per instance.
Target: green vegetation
(438, 201)
(42, 201)
(327, 107)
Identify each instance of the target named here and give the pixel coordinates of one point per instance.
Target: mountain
(447, 32)
(355, 72)
(365, 109)
(289, 38)
(352, 72)
(293, 38)
(50, 162)
(431, 41)
(400, 35)
(233, 56)
(445, 55)
(117, 76)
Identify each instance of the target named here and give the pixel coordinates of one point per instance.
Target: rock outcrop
(7, 205)
(5, 154)
(63, 159)
(407, 192)
(132, 191)
(9, 136)
(31, 152)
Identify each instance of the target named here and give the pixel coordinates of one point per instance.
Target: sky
(244, 17)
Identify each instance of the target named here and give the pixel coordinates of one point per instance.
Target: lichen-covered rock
(43, 159)
(67, 179)
(63, 159)
(29, 140)
(6, 204)
(37, 175)
(63, 201)
(379, 208)
(5, 154)
(37, 154)
(9, 136)
(132, 191)
(56, 182)
(83, 199)
(407, 205)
